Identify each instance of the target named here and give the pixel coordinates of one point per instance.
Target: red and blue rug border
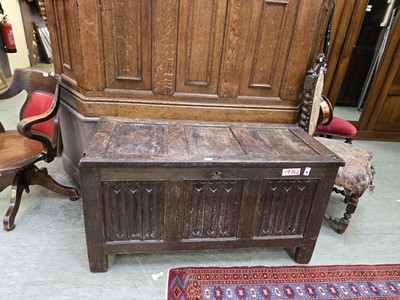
(358, 281)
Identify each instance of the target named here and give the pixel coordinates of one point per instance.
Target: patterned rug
(291, 282)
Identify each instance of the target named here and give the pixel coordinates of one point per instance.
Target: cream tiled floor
(44, 257)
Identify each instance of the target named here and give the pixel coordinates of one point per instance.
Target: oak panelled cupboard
(200, 60)
(222, 60)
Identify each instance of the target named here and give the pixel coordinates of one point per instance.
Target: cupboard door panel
(65, 18)
(236, 32)
(201, 29)
(164, 45)
(271, 31)
(389, 117)
(380, 119)
(127, 44)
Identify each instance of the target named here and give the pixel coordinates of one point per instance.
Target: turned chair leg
(41, 177)
(352, 203)
(18, 186)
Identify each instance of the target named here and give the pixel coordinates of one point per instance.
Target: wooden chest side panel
(133, 210)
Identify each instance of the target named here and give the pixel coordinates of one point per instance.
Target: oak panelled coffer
(163, 185)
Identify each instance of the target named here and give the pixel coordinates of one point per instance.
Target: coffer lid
(125, 141)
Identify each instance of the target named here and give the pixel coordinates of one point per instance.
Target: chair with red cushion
(338, 127)
(35, 140)
(357, 176)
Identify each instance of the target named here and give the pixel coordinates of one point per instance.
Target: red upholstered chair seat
(338, 127)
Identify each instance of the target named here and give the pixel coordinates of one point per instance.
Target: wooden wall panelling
(388, 119)
(53, 20)
(201, 33)
(389, 116)
(319, 36)
(63, 26)
(127, 44)
(91, 45)
(343, 13)
(271, 30)
(236, 31)
(164, 40)
(54, 29)
(380, 117)
(166, 60)
(201, 112)
(304, 40)
(347, 49)
(386, 116)
(395, 88)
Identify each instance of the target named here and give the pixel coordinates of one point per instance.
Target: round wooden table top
(17, 151)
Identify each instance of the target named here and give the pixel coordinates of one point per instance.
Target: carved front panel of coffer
(133, 210)
(282, 207)
(212, 209)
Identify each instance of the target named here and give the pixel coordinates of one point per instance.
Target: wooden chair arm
(24, 128)
(13, 89)
(8, 93)
(29, 80)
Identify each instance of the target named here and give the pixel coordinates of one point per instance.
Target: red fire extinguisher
(8, 36)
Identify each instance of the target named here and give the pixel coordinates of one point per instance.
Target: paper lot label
(291, 172)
